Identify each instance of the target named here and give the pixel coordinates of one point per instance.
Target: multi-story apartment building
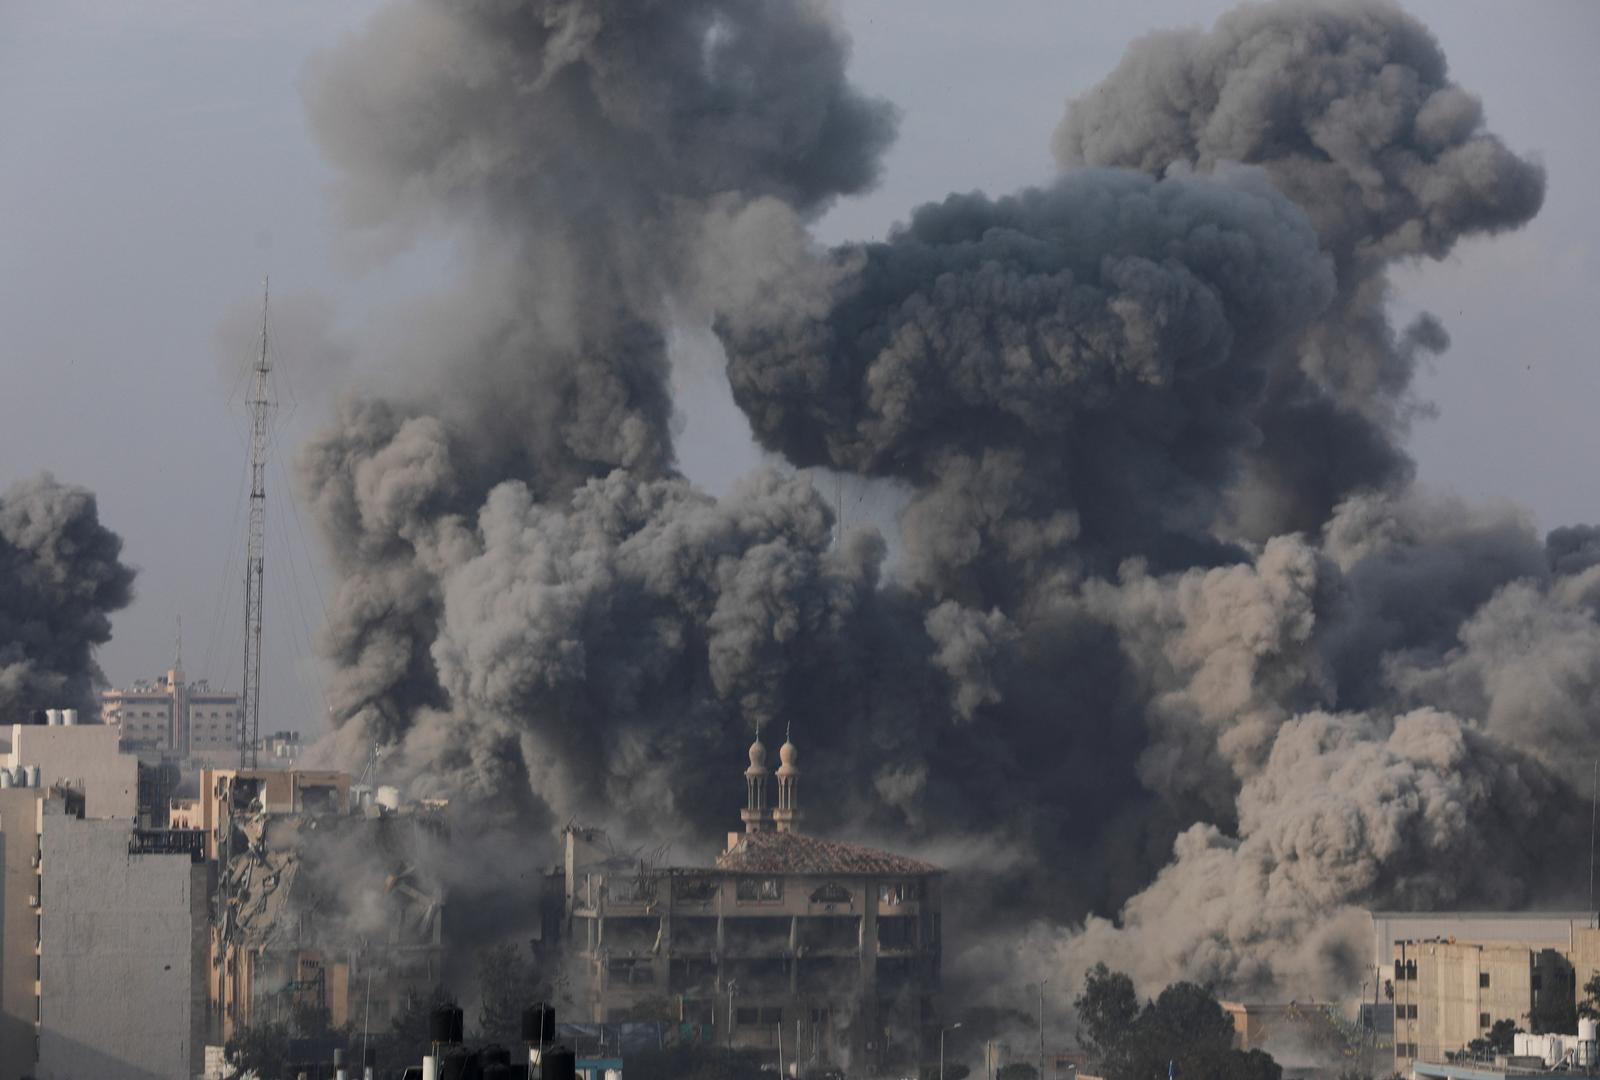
(173, 715)
(836, 944)
(1449, 993)
(333, 914)
(91, 905)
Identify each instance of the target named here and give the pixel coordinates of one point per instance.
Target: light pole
(942, 1030)
(731, 984)
(1041, 1027)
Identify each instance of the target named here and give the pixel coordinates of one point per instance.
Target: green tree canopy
(1184, 1027)
(1106, 1009)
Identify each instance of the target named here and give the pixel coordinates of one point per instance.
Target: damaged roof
(796, 853)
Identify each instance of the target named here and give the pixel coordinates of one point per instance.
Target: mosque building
(831, 948)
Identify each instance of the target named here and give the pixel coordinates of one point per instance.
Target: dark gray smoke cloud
(1350, 110)
(1065, 373)
(1172, 639)
(60, 580)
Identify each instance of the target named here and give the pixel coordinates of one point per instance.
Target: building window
(899, 892)
(747, 1015)
(1483, 980)
(695, 889)
(756, 890)
(1538, 981)
(1411, 969)
(1483, 1021)
(831, 893)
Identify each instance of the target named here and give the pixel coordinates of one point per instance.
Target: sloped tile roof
(796, 853)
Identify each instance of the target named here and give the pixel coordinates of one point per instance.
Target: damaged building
(321, 916)
(836, 944)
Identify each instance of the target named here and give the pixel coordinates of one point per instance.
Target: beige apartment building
(835, 944)
(1449, 993)
(173, 715)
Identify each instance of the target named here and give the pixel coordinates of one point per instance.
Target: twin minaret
(757, 815)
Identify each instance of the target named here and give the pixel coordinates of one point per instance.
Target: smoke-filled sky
(155, 162)
(1173, 616)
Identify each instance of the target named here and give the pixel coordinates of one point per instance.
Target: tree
(308, 1020)
(507, 984)
(1106, 1009)
(1590, 1005)
(1502, 1036)
(1184, 1026)
(262, 1049)
(407, 1037)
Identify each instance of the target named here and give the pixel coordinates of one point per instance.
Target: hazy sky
(155, 163)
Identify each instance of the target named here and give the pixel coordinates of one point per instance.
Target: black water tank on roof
(560, 1064)
(445, 1025)
(539, 1024)
(457, 1063)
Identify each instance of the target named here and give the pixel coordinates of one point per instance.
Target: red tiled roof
(796, 853)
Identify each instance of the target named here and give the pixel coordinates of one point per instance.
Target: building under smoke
(322, 915)
(1173, 657)
(827, 952)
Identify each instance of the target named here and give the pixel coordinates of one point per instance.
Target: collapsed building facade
(831, 948)
(321, 915)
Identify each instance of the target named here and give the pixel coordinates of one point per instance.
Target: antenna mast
(260, 403)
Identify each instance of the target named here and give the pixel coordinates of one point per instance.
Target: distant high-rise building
(172, 715)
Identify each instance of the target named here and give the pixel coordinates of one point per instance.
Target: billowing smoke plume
(1172, 638)
(60, 580)
(535, 607)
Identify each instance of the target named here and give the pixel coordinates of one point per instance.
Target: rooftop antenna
(260, 402)
(177, 658)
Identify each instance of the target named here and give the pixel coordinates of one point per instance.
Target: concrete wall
(119, 956)
(19, 824)
(1547, 929)
(1585, 958)
(84, 757)
(1453, 1004)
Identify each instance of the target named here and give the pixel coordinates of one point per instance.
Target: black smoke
(61, 578)
(1170, 636)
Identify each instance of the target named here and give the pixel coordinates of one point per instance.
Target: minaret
(756, 814)
(787, 815)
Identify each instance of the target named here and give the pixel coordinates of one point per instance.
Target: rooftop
(796, 853)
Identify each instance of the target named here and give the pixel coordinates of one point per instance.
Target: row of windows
(757, 890)
(1407, 971)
